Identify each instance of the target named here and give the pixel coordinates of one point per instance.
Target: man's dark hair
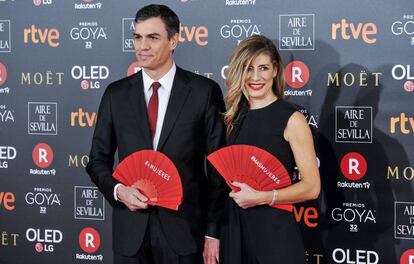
(170, 19)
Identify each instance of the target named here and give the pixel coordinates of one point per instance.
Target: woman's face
(259, 78)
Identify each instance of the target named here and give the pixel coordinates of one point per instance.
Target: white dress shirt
(164, 93)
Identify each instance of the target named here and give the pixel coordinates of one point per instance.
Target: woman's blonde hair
(240, 59)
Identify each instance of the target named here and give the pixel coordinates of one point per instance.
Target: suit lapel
(137, 102)
(179, 93)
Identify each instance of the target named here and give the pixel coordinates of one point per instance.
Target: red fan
(251, 165)
(154, 175)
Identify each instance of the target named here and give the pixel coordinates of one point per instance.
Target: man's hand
(211, 251)
(131, 197)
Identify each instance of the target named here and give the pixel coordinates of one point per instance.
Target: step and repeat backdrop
(349, 64)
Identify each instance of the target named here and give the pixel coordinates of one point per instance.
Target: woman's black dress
(262, 234)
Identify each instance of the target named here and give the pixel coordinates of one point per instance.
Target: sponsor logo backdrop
(350, 70)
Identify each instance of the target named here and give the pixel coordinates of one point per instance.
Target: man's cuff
(116, 188)
(209, 237)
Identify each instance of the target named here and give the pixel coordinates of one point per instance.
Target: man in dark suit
(166, 108)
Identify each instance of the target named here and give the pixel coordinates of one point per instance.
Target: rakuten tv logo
(297, 76)
(404, 73)
(407, 257)
(37, 36)
(42, 155)
(353, 166)
(3, 74)
(91, 76)
(348, 30)
(89, 240)
(7, 200)
(197, 34)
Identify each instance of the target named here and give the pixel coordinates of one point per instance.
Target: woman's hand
(249, 197)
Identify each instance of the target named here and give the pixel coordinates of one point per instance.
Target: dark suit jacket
(193, 127)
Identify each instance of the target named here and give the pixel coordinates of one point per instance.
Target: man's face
(152, 46)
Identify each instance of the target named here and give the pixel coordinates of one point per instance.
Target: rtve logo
(89, 240)
(353, 166)
(37, 35)
(197, 34)
(347, 31)
(308, 215)
(82, 118)
(403, 123)
(7, 200)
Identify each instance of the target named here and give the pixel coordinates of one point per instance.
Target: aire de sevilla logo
(42, 155)
(89, 240)
(353, 166)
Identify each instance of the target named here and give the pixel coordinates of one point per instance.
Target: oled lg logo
(358, 256)
(404, 28)
(37, 36)
(43, 157)
(404, 73)
(239, 29)
(42, 2)
(91, 76)
(89, 241)
(45, 239)
(5, 36)
(297, 76)
(7, 153)
(348, 30)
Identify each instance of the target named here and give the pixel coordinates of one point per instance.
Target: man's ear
(174, 41)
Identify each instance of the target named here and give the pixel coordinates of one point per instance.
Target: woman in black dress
(254, 232)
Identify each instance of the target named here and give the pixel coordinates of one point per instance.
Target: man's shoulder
(123, 83)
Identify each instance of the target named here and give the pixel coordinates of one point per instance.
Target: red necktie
(153, 108)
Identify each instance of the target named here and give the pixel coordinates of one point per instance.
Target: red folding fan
(154, 175)
(253, 166)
